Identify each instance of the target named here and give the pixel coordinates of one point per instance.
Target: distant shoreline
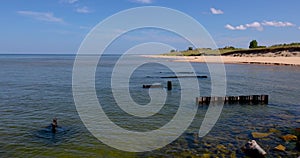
(284, 54)
(254, 59)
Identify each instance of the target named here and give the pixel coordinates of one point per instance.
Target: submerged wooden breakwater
(152, 86)
(169, 85)
(250, 99)
(184, 77)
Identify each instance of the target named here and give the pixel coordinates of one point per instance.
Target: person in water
(54, 125)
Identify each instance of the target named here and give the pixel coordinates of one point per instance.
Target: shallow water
(36, 88)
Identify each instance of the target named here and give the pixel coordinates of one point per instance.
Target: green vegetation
(202, 51)
(190, 52)
(253, 44)
(229, 50)
(285, 45)
(190, 48)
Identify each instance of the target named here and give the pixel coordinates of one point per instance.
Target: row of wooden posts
(249, 99)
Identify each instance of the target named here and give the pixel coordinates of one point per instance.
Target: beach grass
(231, 50)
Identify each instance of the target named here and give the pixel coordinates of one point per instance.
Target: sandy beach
(276, 60)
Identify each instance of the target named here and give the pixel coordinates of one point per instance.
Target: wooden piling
(169, 85)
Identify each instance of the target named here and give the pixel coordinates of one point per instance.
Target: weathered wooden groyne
(250, 99)
(152, 86)
(184, 77)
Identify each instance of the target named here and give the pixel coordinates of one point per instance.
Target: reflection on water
(34, 89)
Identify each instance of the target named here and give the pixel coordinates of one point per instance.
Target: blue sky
(59, 26)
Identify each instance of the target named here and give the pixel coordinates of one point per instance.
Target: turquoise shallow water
(36, 88)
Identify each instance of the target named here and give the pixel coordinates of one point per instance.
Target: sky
(59, 26)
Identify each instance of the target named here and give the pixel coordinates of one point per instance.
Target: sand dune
(271, 59)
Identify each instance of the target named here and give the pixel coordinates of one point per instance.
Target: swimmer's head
(54, 125)
(54, 121)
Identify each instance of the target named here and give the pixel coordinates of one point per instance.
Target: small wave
(47, 135)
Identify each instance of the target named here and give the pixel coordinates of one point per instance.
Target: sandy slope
(275, 60)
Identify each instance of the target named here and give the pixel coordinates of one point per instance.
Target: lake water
(36, 88)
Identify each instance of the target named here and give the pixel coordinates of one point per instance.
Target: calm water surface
(36, 88)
